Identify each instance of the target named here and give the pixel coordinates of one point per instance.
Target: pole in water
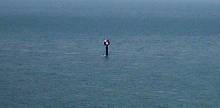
(106, 43)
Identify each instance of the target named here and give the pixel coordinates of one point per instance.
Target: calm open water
(162, 54)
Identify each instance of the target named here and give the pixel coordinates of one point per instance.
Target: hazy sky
(105, 6)
(11, 3)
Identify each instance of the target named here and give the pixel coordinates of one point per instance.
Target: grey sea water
(162, 54)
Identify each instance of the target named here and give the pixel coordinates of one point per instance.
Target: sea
(163, 54)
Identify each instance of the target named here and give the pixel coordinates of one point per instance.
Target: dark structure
(106, 43)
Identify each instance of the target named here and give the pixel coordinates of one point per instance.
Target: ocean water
(162, 54)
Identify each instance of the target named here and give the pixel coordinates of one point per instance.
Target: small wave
(72, 53)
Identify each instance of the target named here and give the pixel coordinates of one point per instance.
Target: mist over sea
(163, 54)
